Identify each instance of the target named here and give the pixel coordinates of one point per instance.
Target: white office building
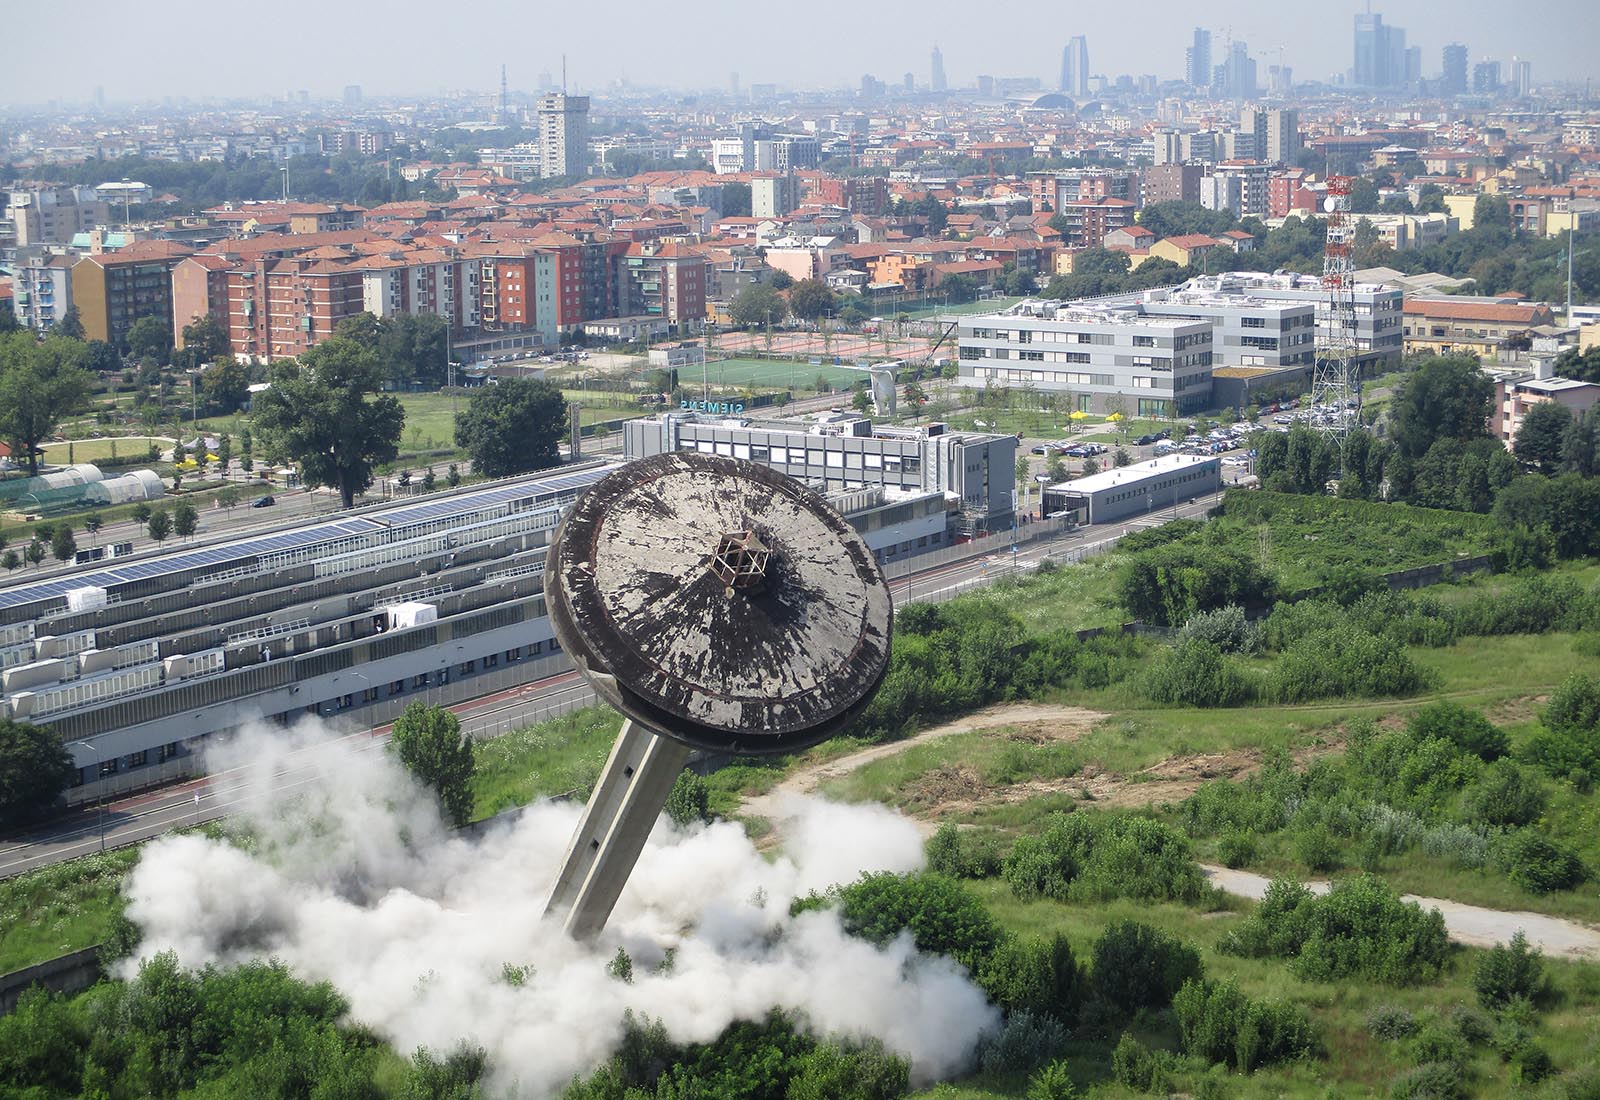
(1107, 359)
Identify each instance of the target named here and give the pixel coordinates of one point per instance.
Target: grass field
(98, 450)
(58, 909)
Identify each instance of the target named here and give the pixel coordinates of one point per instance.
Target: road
(139, 817)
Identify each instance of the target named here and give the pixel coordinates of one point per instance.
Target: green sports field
(763, 373)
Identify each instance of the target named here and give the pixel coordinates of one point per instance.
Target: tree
(70, 325)
(150, 337)
(35, 768)
(184, 519)
(226, 384)
(689, 800)
(736, 200)
(810, 299)
(1446, 398)
(205, 340)
(1491, 212)
(780, 280)
(513, 427)
(916, 396)
(861, 400)
(40, 383)
(228, 498)
(34, 553)
(758, 305)
(1091, 466)
(452, 475)
(141, 513)
(9, 561)
(1121, 457)
(959, 288)
(62, 545)
(91, 525)
(160, 525)
(428, 480)
(1541, 437)
(326, 414)
(430, 744)
(100, 357)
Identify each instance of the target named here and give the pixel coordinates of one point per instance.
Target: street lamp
(100, 800)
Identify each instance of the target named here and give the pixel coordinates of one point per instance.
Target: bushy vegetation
(1139, 967)
(251, 1030)
(1220, 1024)
(1360, 928)
(955, 657)
(775, 1058)
(1093, 857)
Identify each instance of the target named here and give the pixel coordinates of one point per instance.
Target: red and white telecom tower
(1334, 379)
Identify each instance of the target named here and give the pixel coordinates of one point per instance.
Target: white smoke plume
(356, 881)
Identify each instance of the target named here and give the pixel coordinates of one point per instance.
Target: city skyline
(389, 57)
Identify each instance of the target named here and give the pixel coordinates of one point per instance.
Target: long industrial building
(137, 663)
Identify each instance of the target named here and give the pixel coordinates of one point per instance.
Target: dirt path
(1173, 780)
(1056, 722)
(1468, 924)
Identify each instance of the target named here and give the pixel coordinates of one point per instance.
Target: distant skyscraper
(1486, 77)
(936, 73)
(563, 135)
(1236, 76)
(1075, 66)
(1197, 60)
(1380, 54)
(733, 85)
(1454, 79)
(352, 95)
(1522, 77)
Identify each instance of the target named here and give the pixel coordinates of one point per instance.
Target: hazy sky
(221, 47)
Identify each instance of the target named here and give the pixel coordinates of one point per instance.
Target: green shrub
(1168, 585)
(1220, 1024)
(1194, 673)
(1434, 1081)
(1138, 1067)
(1539, 864)
(1509, 972)
(943, 916)
(1315, 847)
(1359, 928)
(1034, 975)
(966, 853)
(1532, 1064)
(1468, 729)
(1152, 537)
(831, 1071)
(1505, 795)
(1344, 661)
(1227, 628)
(1053, 1082)
(1137, 966)
(1574, 709)
(1470, 1025)
(1391, 1022)
(1439, 1044)
(1025, 1043)
(1237, 849)
(1092, 857)
(689, 800)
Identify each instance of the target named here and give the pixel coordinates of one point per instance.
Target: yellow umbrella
(1114, 417)
(1078, 414)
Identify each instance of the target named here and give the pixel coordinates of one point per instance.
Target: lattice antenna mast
(1334, 380)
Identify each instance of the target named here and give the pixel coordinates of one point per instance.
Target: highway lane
(140, 817)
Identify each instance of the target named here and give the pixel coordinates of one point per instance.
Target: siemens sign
(723, 408)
